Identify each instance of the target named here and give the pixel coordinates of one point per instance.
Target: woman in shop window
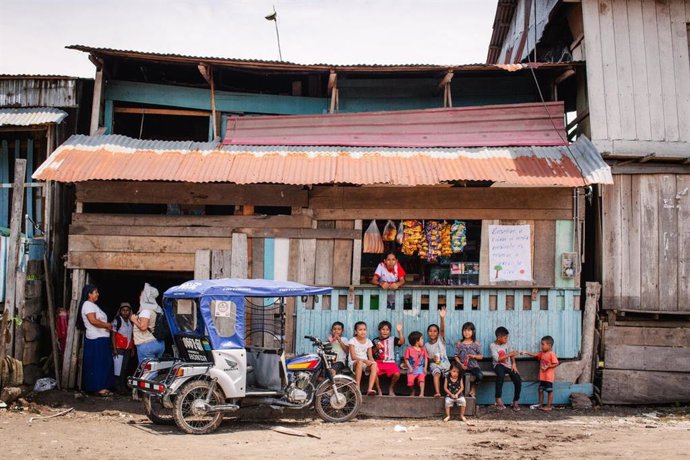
(147, 344)
(389, 275)
(98, 361)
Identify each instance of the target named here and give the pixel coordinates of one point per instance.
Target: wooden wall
(646, 243)
(646, 365)
(638, 75)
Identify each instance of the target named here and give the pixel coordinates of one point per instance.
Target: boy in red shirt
(547, 371)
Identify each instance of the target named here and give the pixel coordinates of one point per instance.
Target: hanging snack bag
(373, 243)
(389, 231)
(458, 236)
(413, 236)
(400, 236)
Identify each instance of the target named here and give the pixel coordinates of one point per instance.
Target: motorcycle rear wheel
(188, 411)
(156, 412)
(339, 409)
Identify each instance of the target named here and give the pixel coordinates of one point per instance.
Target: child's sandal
(371, 393)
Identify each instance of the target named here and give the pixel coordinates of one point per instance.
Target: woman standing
(145, 323)
(98, 360)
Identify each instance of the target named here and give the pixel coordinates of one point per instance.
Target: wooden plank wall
(637, 74)
(646, 243)
(646, 365)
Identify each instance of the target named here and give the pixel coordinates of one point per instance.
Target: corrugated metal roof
(84, 158)
(483, 126)
(261, 64)
(28, 76)
(30, 117)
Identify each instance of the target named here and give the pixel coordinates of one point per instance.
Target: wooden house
(216, 167)
(635, 106)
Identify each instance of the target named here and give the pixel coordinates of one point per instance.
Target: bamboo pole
(51, 316)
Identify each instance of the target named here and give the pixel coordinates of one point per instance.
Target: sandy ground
(116, 428)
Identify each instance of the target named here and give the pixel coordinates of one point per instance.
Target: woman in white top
(98, 359)
(145, 323)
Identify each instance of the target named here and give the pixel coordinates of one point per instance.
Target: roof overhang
(113, 157)
(31, 116)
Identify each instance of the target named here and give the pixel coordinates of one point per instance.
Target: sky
(33, 33)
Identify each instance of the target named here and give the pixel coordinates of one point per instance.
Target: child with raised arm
(384, 353)
(467, 352)
(417, 361)
(340, 347)
(361, 358)
(504, 363)
(548, 361)
(453, 387)
(436, 349)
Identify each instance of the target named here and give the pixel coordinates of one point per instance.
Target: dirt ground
(116, 428)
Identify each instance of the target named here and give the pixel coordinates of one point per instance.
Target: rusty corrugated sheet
(84, 158)
(484, 126)
(30, 117)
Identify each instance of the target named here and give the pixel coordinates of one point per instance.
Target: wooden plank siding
(638, 76)
(645, 253)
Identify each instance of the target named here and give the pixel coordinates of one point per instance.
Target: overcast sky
(33, 33)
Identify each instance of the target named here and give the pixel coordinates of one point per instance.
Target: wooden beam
(190, 193)
(176, 112)
(131, 261)
(202, 264)
(12, 258)
(126, 230)
(303, 233)
(466, 214)
(96, 102)
(68, 358)
(641, 387)
(647, 336)
(147, 220)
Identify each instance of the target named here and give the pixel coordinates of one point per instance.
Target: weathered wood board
(642, 387)
(647, 336)
(131, 261)
(645, 358)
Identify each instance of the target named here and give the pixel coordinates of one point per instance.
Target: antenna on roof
(274, 17)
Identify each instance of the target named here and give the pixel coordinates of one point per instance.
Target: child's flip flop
(371, 393)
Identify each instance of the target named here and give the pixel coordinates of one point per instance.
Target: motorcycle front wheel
(338, 408)
(189, 408)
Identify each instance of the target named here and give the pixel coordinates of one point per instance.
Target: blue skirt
(98, 365)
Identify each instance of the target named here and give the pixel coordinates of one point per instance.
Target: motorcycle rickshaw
(229, 337)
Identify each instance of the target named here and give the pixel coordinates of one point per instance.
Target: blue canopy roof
(244, 288)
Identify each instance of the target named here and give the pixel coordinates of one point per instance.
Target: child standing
(467, 352)
(503, 362)
(361, 358)
(548, 361)
(417, 360)
(436, 349)
(384, 353)
(453, 388)
(340, 347)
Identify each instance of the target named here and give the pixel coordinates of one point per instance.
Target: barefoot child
(361, 358)
(504, 363)
(417, 360)
(453, 387)
(548, 361)
(436, 349)
(467, 352)
(340, 347)
(384, 353)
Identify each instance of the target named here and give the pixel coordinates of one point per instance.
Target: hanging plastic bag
(373, 243)
(401, 233)
(389, 231)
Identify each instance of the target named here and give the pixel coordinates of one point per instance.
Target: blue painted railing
(529, 314)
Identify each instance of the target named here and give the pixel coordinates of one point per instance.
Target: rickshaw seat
(266, 369)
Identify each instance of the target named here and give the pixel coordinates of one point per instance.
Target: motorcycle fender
(230, 370)
(337, 377)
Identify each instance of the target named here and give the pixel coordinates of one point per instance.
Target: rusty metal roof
(483, 126)
(114, 157)
(32, 116)
(286, 66)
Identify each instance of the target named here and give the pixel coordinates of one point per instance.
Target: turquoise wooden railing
(529, 314)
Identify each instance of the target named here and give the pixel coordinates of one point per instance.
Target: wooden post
(13, 256)
(20, 302)
(97, 95)
(51, 315)
(69, 353)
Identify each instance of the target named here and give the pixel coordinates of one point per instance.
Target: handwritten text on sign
(510, 257)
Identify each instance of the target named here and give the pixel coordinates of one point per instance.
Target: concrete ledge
(410, 407)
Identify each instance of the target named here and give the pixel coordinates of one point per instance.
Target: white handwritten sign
(510, 256)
